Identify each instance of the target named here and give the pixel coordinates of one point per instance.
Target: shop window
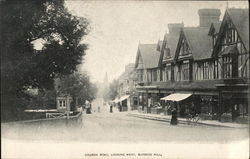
(135, 100)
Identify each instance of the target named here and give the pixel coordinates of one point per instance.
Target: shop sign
(206, 98)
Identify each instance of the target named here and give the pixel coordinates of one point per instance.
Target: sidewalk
(167, 118)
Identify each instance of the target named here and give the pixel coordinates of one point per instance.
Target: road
(104, 126)
(125, 133)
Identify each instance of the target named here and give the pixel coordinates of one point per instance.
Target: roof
(199, 42)
(172, 41)
(216, 26)
(240, 19)
(149, 55)
(159, 45)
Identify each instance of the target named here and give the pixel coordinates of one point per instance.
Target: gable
(183, 48)
(234, 29)
(139, 61)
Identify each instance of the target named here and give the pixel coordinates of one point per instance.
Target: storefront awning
(177, 96)
(116, 100)
(123, 98)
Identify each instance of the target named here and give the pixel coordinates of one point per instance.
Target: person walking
(111, 109)
(174, 120)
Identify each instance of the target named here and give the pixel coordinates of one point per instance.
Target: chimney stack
(208, 16)
(174, 28)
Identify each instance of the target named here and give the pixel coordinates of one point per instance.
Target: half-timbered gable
(214, 30)
(232, 46)
(147, 63)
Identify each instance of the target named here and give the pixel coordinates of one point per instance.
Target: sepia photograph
(116, 79)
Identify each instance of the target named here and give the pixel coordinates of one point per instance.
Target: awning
(177, 96)
(116, 100)
(123, 98)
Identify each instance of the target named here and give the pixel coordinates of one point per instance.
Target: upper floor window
(229, 66)
(168, 72)
(154, 74)
(206, 70)
(140, 75)
(185, 71)
(184, 50)
(230, 35)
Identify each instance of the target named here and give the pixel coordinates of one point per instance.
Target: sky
(117, 27)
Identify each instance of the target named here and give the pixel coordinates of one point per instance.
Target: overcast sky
(118, 26)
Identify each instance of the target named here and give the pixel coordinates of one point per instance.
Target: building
(231, 50)
(206, 67)
(63, 103)
(127, 95)
(148, 72)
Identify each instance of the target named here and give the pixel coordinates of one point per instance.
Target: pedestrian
(174, 120)
(111, 109)
(120, 107)
(99, 109)
(235, 112)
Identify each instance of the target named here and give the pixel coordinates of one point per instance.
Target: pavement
(167, 118)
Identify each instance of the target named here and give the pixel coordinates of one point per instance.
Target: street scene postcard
(85, 79)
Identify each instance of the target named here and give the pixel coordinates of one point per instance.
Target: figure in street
(174, 120)
(111, 109)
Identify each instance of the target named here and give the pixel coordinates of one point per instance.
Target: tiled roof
(149, 54)
(216, 26)
(240, 19)
(172, 41)
(160, 43)
(199, 42)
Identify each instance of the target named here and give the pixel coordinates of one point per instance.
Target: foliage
(23, 25)
(77, 85)
(112, 91)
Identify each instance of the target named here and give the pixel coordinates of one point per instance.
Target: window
(62, 103)
(168, 72)
(185, 70)
(140, 75)
(227, 67)
(177, 72)
(154, 74)
(215, 69)
(184, 50)
(206, 71)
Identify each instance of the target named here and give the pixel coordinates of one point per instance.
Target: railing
(64, 121)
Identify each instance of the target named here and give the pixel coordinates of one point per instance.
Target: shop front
(180, 101)
(233, 103)
(206, 104)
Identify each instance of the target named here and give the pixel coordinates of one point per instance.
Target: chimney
(208, 16)
(174, 28)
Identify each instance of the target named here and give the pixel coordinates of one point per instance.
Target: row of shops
(210, 105)
(201, 69)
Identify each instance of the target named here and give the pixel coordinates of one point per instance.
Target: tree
(23, 25)
(112, 91)
(77, 85)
